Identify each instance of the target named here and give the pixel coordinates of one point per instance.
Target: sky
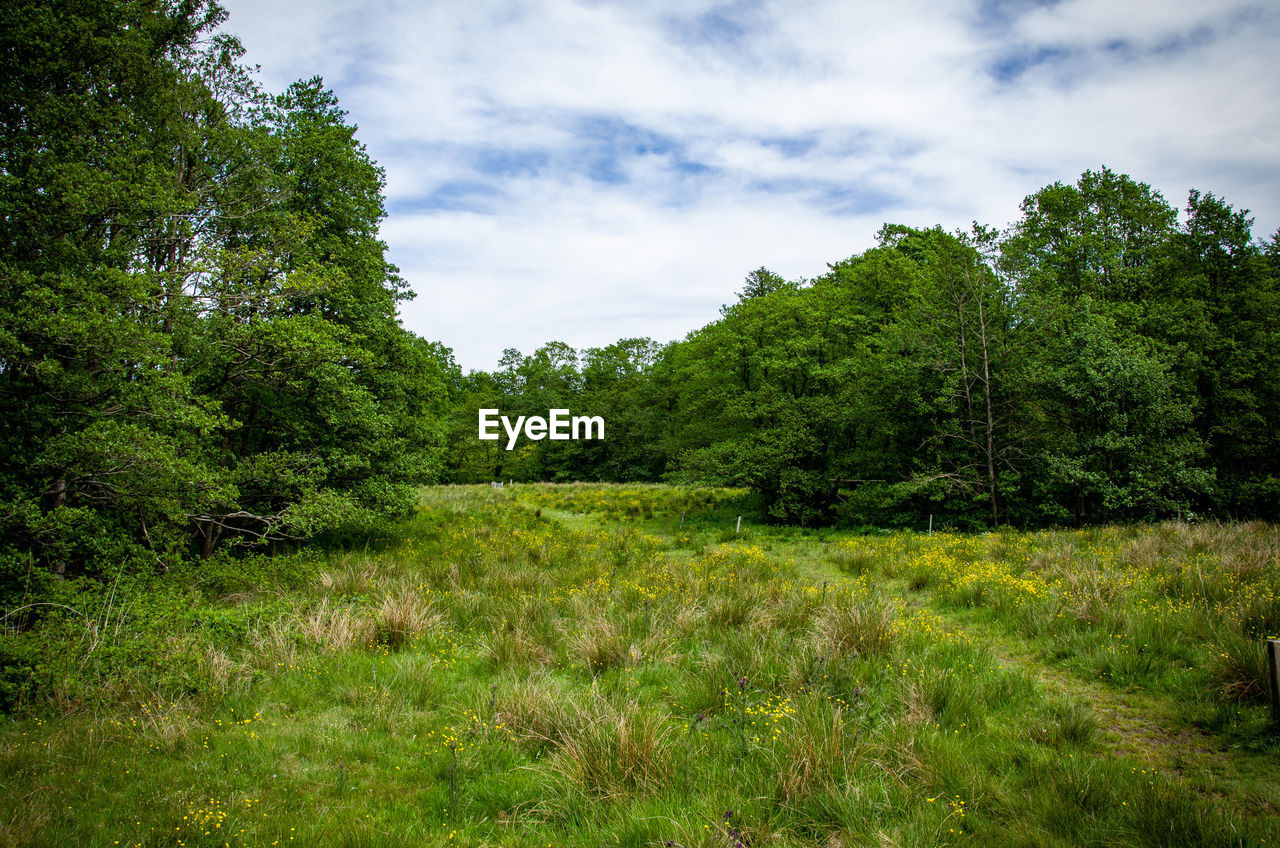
(584, 171)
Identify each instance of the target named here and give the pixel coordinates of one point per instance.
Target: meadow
(585, 665)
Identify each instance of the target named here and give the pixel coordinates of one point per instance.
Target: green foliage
(1114, 436)
(1098, 361)
(617, 382)
(1100, 237)
(198, 339)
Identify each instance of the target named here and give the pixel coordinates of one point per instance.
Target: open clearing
(617, 665)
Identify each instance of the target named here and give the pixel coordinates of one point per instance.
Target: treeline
(198, 337)
(200, 350)
(1101, 360)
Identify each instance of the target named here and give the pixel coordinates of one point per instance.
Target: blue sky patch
(604, 144)
(451, 196)
(833, 198)
(510, 163)
(998, 16)
(1012, 64)
(726, 27)
(791, 147)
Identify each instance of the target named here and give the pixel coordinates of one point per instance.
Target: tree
(198, 335)
(1109, 351)
(759, 283)
(1096, 362)
(1100, 237)
(1220, 307)
(1115, 441)
(960, 327)
(329, 400)
(618, 383)
(101, 440)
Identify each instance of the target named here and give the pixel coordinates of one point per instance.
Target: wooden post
(1273, 665)
(931, 524)
(739, 524)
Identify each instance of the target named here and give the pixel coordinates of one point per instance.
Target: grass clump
(615, 751)
(402, 616)
(854, 623)
(335, 628)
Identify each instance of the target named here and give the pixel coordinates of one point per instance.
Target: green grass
(592, 665)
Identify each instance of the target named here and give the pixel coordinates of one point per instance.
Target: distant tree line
(199, 346)
(200, 350)
(1101, 360)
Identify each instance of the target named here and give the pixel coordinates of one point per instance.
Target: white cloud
(601, 270)
(774, 133)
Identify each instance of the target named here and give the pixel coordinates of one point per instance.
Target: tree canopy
(1102, 359)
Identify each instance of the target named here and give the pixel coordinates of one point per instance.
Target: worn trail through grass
(1151, 726)
(1142, 727)
(1133, 724)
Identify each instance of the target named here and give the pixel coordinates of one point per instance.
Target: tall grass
(1177, 608)
(499, 678)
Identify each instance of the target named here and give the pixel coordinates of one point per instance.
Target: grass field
(596, 665)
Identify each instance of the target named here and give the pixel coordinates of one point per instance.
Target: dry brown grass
(166, 723)
(28, 819)
(273, 643)
(1088, 594)
(601, 748)
(747, 607)
(1240, 667)
(1256, 548)
(220, 669)
(349, 576)
(522, 633)
(515, 646)
(688, 617)
(1147, 551)
(915, 702)
(536, 711)
(1244, 550)
(599, 645)
(521, 579)
(336, 628)
(897, 753)
(403, 615)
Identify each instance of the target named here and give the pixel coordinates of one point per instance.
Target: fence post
(739, 524)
